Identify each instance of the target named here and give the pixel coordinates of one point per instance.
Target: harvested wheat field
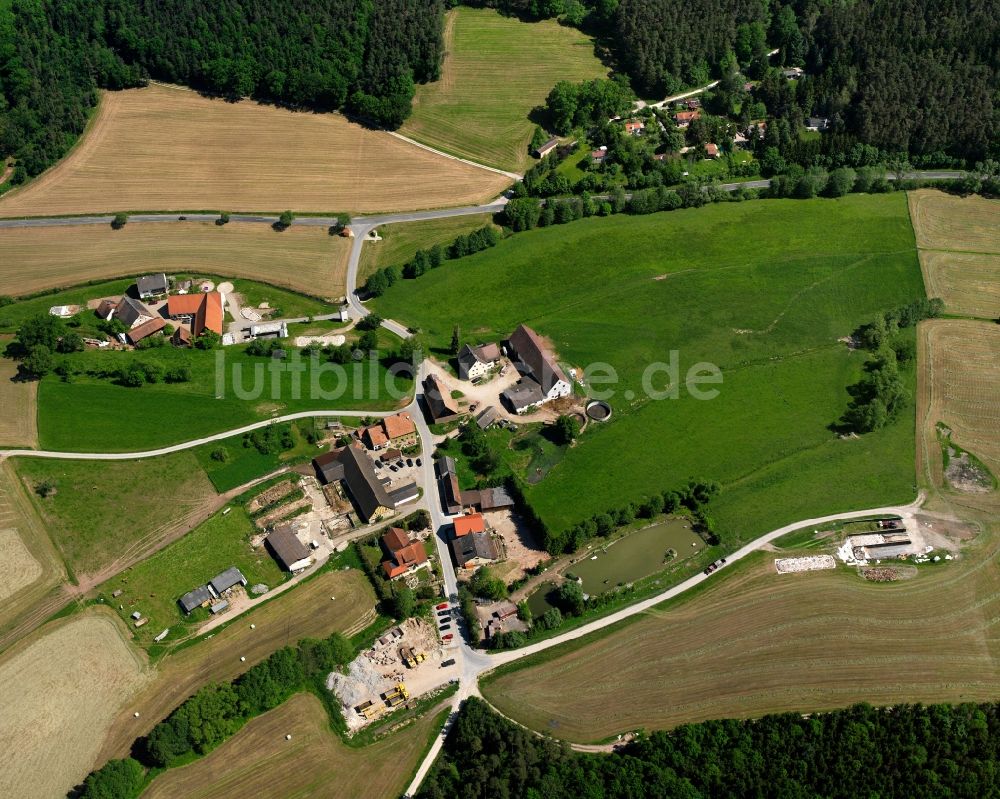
(960, 386)
(18, 569)
(168, 148)
(59, 694)
(18, 427)
(304, 258)
(756, 642)
(959, 243)
(946, 222)
(29, 564)
(258, 761)
(305, 611)
(969, 283)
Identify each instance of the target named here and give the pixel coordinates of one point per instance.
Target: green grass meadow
(761, 289)
(496, 70)
(153, 586)
(92, 414)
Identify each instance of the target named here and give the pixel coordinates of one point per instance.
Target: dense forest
(908, 751)
(323, 54)
(920, 77)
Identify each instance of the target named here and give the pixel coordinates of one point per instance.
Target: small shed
(219, 606)
(196, 598)
(547, 148)
(227, 579)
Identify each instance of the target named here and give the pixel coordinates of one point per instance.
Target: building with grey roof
(227, 579)
(152, 285)
(196, 598)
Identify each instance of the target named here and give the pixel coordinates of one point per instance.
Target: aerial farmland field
(60, 692)
(167, 148)
(303, 258)
(496, 70)
(313, 762)
(959, 241)
(627, 291)
(759, 642)
(18, 426)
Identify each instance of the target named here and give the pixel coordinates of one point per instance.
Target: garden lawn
(122, 419)
(237, 461)
(762, 289)
(153, 586)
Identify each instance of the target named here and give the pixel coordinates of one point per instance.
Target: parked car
(409, 462)
(399, 463)
(394, 467)
(447, 637)
(448, 662)
(445, 627)
(444, 613)
(711, 568)
(442, 606)
(419, 462)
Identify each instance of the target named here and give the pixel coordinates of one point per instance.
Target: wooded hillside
(907, 751)
(324, 54)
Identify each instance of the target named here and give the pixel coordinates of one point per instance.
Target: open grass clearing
(763, 290)
(305, 611)
(400, 242)
(105, 514)
(959, 239)
(314, 762)
(755, 642)
(153, 586)
(496, 70)
(59, 693)
(18, 426)
(228, 389)
(169, 148)
(40, 258)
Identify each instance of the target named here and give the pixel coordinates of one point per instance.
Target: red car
(447, 637)
(442, 606)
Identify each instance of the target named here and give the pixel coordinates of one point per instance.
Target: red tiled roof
(375, 436)
(398, 426)
(405, 558)
(687, 116)
(473, 523)
(137, 334)
(395, 539)
(206, 310)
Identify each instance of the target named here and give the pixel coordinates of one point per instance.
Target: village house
(598, 155)
(487, 417)
(633, 127)
(405, 556)
(685, 118)
(473, 550)
(150, 286)
(711, 150)
(468, 524)
(476, 362)
(486, 500)
(286, 548)
(397, 431)
(437, 401)
(447, 478)
(818, 124)
(547, 148)
(793, 73)
(353, 467)
(132, 313)
(693, 103)
(145, 330)
(201, 311)
(542, 380)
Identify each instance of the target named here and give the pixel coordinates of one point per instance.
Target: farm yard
(305, 611)
(60, 692)
(959, 241)
(18, 399)
(168, 148)
(102, 516)
(496, 70)
(315, 761)
(400, 242)
(153, 586)
(37, 259)
(769, 317)
(758, 642)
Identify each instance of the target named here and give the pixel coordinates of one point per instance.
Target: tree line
(902, 752)
(219, 710)
(319, 54)
(881, 393)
